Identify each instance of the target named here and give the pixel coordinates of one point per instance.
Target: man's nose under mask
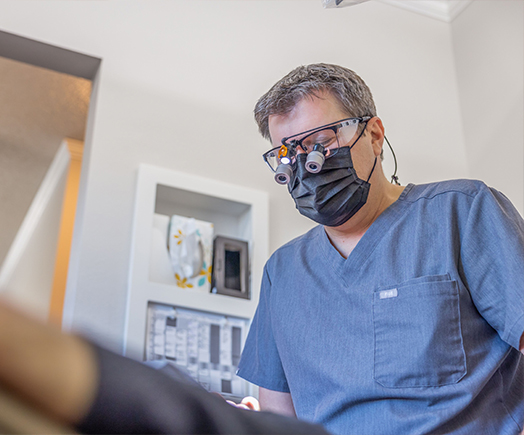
(333, 195)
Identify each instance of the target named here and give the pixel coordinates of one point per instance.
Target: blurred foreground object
(18, 417)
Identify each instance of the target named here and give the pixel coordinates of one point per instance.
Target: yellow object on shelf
(190, 245)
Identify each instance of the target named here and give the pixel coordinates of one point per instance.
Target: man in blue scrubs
(402, 312)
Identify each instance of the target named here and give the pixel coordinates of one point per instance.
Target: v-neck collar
(366, 245)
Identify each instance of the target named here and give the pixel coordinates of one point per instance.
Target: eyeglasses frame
(335, 126)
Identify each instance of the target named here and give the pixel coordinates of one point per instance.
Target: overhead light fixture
(341, 3)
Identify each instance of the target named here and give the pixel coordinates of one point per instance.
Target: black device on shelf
(230, 267)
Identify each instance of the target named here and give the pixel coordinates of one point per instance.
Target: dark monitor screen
(232, 270)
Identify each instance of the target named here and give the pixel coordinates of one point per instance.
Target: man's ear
(376, 131)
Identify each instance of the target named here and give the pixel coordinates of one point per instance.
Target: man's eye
(324, 141)
(327, 142)
(330, 143)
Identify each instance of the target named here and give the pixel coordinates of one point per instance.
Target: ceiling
(38, 109)
(444, 10)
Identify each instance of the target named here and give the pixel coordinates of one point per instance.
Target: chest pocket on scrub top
(417, 334)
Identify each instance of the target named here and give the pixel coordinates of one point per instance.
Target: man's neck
(345, 237)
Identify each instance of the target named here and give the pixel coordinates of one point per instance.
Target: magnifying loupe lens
(314, 162)
(283, 173)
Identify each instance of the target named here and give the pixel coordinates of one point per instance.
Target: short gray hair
(308, 81)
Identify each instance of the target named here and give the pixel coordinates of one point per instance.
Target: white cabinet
(235, 211)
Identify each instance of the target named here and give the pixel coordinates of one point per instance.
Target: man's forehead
(309, 113)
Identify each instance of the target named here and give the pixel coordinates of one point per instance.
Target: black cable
(394, 177)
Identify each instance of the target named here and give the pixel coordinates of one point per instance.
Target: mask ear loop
(354, 143)
(372, 169)
(359, 136)
(394, 177)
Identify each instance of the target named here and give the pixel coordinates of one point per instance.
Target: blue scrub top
(415, 332)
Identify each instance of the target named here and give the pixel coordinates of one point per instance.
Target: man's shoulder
(451, 188)
(301, 242)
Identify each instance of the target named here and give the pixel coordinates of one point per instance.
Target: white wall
(488, 42)
(176, 89)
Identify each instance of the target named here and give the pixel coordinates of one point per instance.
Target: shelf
(235, 211)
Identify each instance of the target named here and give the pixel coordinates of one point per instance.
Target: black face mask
(333, 195)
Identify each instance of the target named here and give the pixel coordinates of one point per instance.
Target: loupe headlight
(315, 159)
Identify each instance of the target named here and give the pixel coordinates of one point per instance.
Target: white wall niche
(235, 212)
